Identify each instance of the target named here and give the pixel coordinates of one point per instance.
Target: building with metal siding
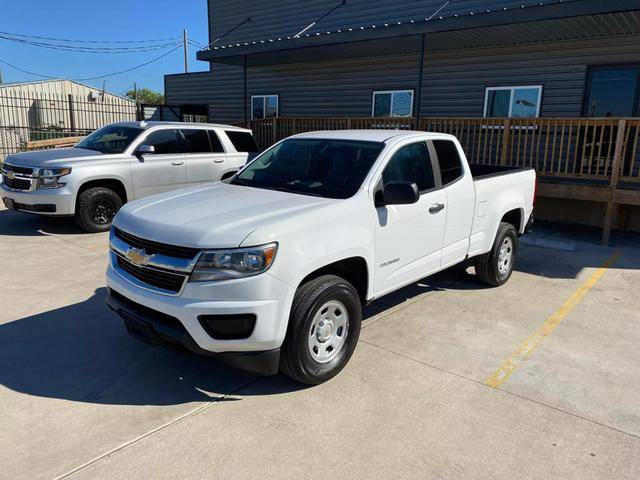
(471, 46)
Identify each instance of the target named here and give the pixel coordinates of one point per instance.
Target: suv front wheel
(324, 328)
(96, 208)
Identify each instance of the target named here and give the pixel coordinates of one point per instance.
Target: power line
(158, 40)
(196, 44)
(96, 77)
(26, 71)
(131, 68)
(82, 49)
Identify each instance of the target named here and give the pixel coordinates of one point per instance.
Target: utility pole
(186, 51)
(135, 99)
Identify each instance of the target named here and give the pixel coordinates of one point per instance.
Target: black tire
(96, 208)
(487, 266)
(296, 359)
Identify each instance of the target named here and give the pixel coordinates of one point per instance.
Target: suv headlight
(233, 263)
(49, 177)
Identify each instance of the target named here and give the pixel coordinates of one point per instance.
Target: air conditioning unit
(50, 115)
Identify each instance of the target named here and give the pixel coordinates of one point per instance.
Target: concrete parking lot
(536, 379)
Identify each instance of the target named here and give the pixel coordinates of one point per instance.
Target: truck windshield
(321, 167)
(111, 139)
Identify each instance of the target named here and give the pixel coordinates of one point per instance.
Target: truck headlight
(49, 177)
(233, 263)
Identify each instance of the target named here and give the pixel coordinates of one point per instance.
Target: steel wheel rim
(328, 332)
(103, 212)
(505, 256)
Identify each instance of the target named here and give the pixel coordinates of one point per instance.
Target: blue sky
(113, 20)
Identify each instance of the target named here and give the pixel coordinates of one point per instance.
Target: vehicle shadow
(20, 224)
(81, 352)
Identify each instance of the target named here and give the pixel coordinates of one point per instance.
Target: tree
(146, 95)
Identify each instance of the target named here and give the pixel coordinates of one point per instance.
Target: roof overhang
(543, 22)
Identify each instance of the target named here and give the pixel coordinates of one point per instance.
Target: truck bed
(480, 171)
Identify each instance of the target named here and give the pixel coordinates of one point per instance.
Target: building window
(392, 103)
(512, 101)
(264, 106)
(612, 91)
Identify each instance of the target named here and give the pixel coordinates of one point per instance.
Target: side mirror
(145, 150)
(400, 192)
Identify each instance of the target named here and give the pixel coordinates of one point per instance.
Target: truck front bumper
(169, 319)
(45, 202)
(156, 328)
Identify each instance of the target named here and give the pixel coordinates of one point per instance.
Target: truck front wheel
(496, 267)
(96, 208)
(324, 328)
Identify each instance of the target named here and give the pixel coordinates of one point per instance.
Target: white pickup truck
(118, 163)
(270, 270)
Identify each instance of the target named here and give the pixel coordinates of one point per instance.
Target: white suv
(122, 162)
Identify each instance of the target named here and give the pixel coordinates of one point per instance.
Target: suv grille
(158, 278)
(155, 247)
(16, 183)
(16, 169)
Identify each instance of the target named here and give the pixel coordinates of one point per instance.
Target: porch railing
(605, 150)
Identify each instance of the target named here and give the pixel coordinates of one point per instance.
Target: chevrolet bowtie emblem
(138, 256)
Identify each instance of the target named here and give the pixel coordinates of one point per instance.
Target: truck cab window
(411, 163)
(449, 161)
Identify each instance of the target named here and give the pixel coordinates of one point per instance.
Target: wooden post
(275, 130)
(72, 115)
(418, 101)
(506, 134)
(616, 165)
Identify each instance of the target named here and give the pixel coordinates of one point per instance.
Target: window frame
(184, 142)
(605, 66)
(392, 92)
(264, 105)
(437, 157)
(435, 167)
(179, 139)
(512, 89)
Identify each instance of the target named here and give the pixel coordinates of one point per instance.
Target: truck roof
(153, 123)
(369, 135)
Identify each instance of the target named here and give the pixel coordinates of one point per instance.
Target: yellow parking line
(531, 343)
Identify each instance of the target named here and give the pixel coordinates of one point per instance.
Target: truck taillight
(535, 191)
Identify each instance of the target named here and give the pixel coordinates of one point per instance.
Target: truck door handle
(436, 207)
(177, 163)
(218, 160)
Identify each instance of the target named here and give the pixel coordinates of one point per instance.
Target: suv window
(449, 161)
(164, 141)
(216, 144)
(413, 164)
(242, 141)
(196, 141)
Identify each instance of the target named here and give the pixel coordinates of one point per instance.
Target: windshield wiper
(239, 181)
(285, 188)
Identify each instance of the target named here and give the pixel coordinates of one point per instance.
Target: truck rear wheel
(496, 267)
(96, 208)
(324, 327)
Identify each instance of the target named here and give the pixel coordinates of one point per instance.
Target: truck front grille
(16, 183)
(163, 279)
(152, 247)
